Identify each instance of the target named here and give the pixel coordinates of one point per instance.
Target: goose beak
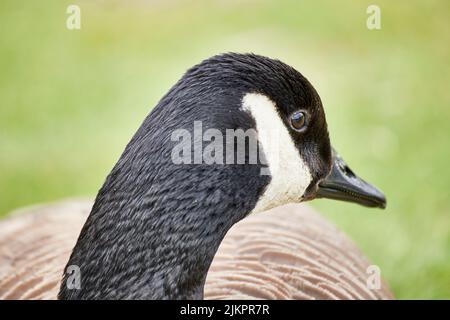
(343, 184)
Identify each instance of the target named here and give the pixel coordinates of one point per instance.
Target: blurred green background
(71, 99)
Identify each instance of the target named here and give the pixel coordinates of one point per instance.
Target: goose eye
(298, 121)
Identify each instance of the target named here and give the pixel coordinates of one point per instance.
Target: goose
(161, 228)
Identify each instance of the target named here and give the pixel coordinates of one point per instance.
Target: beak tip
(379, 198)
(383, 204)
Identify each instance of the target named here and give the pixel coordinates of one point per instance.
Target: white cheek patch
(290, 175)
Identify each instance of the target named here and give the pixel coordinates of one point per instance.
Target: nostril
(348, 172)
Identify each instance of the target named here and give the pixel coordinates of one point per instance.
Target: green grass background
(70, 101)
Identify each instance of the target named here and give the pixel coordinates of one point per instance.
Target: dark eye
(298, 121)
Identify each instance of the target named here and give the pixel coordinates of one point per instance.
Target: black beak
(343, 184)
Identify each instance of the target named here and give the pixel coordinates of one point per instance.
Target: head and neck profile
(157, 222)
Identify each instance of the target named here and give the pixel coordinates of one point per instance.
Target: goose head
(184, 179)
(282, 111)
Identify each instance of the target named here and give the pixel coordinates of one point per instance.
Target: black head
(221, 85)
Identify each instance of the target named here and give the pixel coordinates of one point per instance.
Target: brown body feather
(290, 252)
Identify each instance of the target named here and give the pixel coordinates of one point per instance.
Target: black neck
(156, 226)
